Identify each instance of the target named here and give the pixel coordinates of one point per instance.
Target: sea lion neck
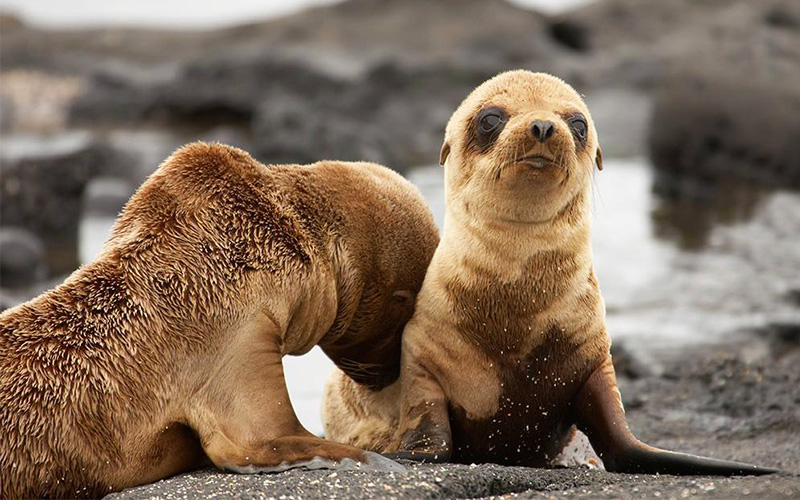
(349, 289)
(505, 248)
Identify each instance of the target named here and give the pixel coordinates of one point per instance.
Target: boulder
(296, 130)
(10, 297)
(394, 115)
(630, 363)
(729, 111)
(21, 258)
(41, 187)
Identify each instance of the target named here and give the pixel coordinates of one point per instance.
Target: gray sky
(184, 13)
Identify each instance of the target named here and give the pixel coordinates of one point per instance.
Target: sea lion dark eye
(487, 126)
(490, 122)
(579, 127)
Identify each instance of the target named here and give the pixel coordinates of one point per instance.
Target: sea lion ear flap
(599, 158)
(444, 153)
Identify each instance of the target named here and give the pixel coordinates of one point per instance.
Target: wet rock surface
(463, 481)
(734, 402)
(727, 113)
(21, 258)
(43, 191)
(721, 75)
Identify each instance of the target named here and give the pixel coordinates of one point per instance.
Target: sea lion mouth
(536, 161)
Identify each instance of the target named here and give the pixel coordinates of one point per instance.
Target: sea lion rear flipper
(601, 417)
(245, 421)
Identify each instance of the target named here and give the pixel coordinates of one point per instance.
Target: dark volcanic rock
(201, 93)
(571, 34)
(628, 363)
(726, 116)
(43, 194)
(361, 80)
(294, 113)
(21, 258)
(697, 410)
(230, 90)
(636, 43)
(359, 34)
(730, 114)
(346, 37)
(728, 107)
(454, 481)
(295, 130)
(111, 99)
(395, 116)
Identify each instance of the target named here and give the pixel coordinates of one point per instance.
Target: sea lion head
(390, 237)
(519, 148)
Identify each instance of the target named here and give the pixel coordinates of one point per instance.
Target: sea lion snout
(540, 140)
(542, 130)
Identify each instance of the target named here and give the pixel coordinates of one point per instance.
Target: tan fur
(166, 351)
(361, 412)
(511, 277)
(508, 350)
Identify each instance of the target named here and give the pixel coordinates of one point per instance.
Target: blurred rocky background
(707, 88)
(697, 214)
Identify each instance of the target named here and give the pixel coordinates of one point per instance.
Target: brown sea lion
(165, 352)
(508, 349)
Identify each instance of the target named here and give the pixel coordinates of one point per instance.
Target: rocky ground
(738, 402)
(706, 88)
(466, 481)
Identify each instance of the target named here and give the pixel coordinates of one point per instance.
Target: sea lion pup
(166, 351)
(508, 348)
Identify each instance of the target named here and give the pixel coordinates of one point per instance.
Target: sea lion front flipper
(423, 433)
(601, 417)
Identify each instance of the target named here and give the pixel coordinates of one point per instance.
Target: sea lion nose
(542, 130)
